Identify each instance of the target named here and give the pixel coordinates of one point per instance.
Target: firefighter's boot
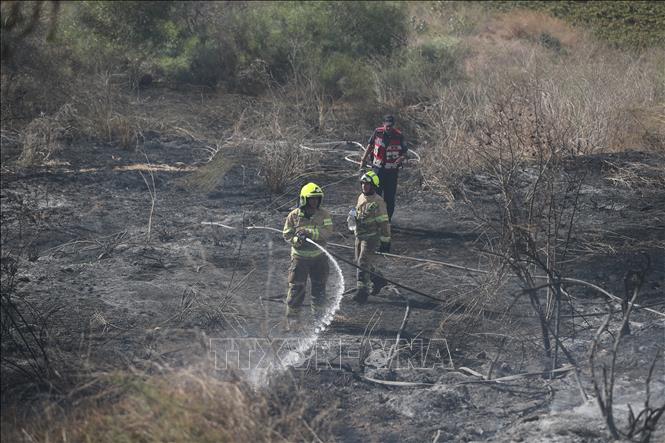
(377, 284)
(292, 319)
(361, 295)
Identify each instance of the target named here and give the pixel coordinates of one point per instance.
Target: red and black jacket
(387, 145)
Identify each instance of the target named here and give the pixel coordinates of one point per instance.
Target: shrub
(212, 63)
(343, 77)
(293, 37)
(416, 74)
(283, 163)
(36, 78)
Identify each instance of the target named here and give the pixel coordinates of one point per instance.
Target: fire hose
(376, 274)
(340, 258)
(349, 154)
(441, 263)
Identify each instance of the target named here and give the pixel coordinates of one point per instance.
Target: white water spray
(294, 357)
(297, 356)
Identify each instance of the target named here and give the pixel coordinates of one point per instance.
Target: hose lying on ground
(415, 291)
(376, 274)
(424, 260)
(338, 257)
(350, 154)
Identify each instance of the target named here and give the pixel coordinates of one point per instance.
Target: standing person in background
(372, 230)
(308, 220)
(387, 150)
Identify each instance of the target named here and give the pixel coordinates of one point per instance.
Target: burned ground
(110, 296)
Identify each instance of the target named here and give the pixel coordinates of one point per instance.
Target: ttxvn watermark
(247, 354)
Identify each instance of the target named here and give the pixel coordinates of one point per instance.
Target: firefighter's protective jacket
(319, 227)
(372, 218)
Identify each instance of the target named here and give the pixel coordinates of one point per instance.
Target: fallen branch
(422, 260)
(498, 354)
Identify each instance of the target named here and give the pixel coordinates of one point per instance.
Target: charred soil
(111, 254)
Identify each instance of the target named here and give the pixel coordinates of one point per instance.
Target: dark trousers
(387, 188)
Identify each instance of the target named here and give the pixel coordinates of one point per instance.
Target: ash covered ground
(116, 298)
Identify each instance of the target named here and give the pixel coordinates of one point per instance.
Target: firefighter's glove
(300, 238)
(384, 247)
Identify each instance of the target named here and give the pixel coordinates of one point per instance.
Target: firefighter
(386, 150)
(307, 221)
(372, 229)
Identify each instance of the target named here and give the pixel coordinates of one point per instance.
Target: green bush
(213, 62)
(344, 77)
(215, 44)
(145, 25)
(127, 37)
(295, 36)
(442, 55)
(416, 73)
(550, 42)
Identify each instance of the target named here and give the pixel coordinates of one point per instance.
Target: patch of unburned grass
(635, 175)
(182, 406)
(209, 175)
(647, 129)
(282, 163)
(595, 99)
(44, 135)
(535, 26)
(145, 167)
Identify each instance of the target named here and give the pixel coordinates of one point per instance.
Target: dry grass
(45, 135)
(634, 175)
(594, 99)
(530, 25)
(177, 406)
(106, 114)
(274, 132)
(283, 163)
(468, 305)
(207, 177)
(645, 128)
(98, 112)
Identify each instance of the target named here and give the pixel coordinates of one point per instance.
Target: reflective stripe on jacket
(318, 227)
(372, 218)
(387, 147)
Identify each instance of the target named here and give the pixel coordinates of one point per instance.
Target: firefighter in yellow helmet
(372, 229)
(309, 220)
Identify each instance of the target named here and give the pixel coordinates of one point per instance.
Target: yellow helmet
(370, 177)
(310, 190)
